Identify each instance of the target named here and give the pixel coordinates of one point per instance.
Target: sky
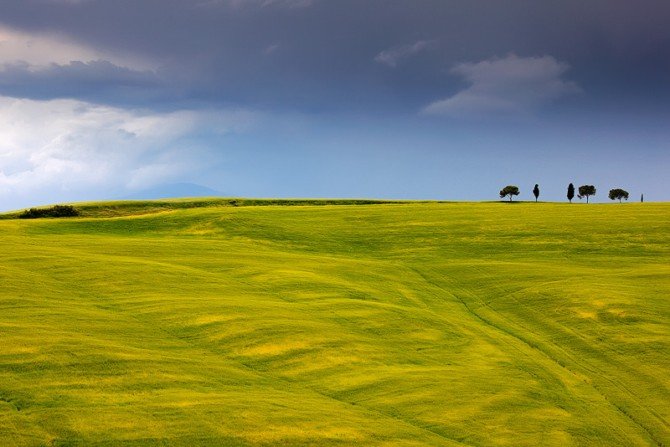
(396, 99)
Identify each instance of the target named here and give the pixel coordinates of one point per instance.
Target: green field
(196, 323)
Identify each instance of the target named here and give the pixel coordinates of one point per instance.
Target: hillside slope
(378, 324)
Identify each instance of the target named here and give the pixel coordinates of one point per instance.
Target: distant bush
(54, 211)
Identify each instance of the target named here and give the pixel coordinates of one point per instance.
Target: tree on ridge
(571, 192)
(509, 190)
(536, 192)
(586, 191)
(618, 194)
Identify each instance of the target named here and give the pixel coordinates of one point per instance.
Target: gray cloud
(512, 84)
(394, 55)
(67, 2)
(99, 81)
(216, 52)
(240, 4)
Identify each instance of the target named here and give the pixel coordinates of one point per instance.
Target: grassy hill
(188, 323)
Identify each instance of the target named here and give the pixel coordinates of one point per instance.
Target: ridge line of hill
(118, 208)
(122, 208)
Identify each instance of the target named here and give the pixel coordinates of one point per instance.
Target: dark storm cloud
(326, 54)
(96, 81)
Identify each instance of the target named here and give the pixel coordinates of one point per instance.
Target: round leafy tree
(618, 194)
(586, 191)
(509, 190)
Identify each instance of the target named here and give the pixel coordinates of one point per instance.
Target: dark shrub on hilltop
(54, 211)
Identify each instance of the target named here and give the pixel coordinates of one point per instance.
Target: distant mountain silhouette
(173, 190)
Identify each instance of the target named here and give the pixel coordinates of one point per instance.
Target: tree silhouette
(509, 190)
(536, 192)
(571, 192)
(618, 194)
(586, 191)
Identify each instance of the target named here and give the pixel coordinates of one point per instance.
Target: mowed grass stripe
(384, 324)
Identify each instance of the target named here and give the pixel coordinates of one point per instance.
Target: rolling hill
(211, 322)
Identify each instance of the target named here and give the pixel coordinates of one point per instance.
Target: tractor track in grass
(585, 347)
(533, 346)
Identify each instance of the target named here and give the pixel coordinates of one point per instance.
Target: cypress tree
(571, 192)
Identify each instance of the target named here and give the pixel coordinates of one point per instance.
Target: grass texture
(201, 323)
